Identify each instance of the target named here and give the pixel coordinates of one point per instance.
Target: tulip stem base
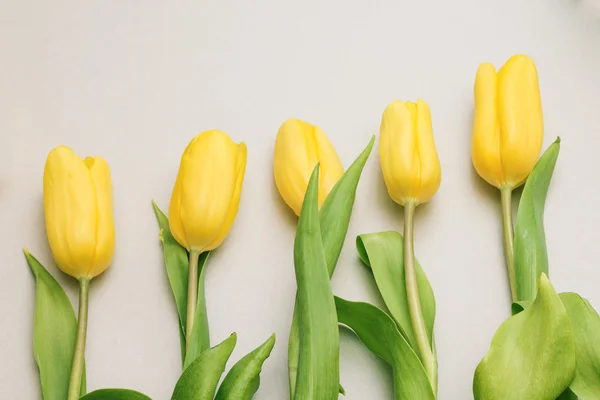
(192, 296)
(507, 227)
(79, 353)
(424, 348)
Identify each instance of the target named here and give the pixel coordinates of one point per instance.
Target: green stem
(507, 225)
(79, 354)
(414, 302)
(192, 296)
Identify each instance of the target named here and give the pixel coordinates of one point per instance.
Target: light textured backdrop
(134, 81)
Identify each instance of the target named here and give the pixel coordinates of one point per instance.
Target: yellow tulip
(298, 149)
(78, 210)
(407, 153)
(508, 127)
(207, 191)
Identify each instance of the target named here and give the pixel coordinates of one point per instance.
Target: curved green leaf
(586, 333)
(318, 361)
(384, 253)
(335, 213)
(532, 355)
(243, 379)
(531, 257)
(54, 332)
(380, 335)
(334, 218)
(199, 381)
(176, 264)
(115, 394)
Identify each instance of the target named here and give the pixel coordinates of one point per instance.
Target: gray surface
(135, 81)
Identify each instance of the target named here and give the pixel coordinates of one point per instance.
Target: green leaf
(381, 336)
(176, 264)
(531, 257)
(115, 394)
(384, 253)
(532, 355)
(334, 218)
(586, 333)
(243, 379)
(54, 332)
(337, 209)
(199, 381)
(318, 362)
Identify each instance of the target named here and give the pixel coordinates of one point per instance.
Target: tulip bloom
(298, 149)
(78, 211)
(412, 173)
(508, 127)
(203, 206)
(207, 191)
(80, 229)
(407, 153)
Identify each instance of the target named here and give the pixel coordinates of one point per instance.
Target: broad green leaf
(334, 218)
(243, 379)
(318, 362)
(586, 333)
(199, 381)
(532, 355)
(381, 336)
(115, 394)
(176, 264)
(383, 253)
(200, 337)
(531, 257)
(54, 332)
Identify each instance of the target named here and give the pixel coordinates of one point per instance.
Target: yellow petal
(520, 115)
(295, 157)
(105, 230)
(235, 200)
(331, 168)
(175, 224)
(430, 172)
(397, 155)
(70, 208)
(486, 130)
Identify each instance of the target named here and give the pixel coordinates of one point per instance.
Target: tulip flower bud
(78, 211)
(409, 160)
(207, 191)
(298, 149)
(508, 127)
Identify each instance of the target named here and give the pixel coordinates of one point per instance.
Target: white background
(134, 81)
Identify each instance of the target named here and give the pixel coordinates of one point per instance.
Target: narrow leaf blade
(176, 264)
(199, 381)
(55, 329)
(243, 380)
(532, 355)
(334, 219)
(318, 362)
(383, 252)
(380, 335)
(337, 209)
(531, 256)
(115, 394)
